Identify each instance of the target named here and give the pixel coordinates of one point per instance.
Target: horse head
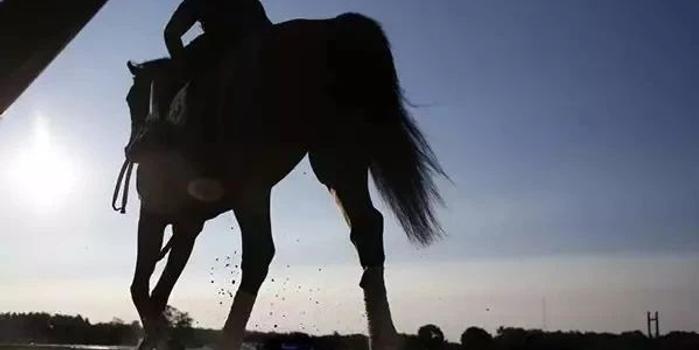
(138, 98)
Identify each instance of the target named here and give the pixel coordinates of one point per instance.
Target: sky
(569, 129)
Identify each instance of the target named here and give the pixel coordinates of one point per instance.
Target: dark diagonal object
(32, 34)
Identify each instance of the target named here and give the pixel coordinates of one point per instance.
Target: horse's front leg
(183, 237)
(252, 214)
(150, 239)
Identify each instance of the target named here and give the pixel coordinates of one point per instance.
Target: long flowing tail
(403, 165)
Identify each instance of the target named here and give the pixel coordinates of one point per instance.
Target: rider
(224, 23)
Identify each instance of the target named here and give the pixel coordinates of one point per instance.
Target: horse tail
(402, 164)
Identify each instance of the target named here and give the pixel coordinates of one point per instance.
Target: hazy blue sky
(570, 129)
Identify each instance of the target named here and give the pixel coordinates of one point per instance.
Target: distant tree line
(430, 337)
(526, 339)
(25, 328)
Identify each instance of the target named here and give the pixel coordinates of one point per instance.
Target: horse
(323, 88)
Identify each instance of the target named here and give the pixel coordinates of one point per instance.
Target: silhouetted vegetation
(430, 337)
(62, 329)
(43, 328)
(477, 338)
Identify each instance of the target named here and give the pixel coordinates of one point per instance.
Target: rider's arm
(181, 21)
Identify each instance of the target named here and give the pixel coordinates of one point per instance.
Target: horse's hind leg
(349, 184)
(252, 213)
(150, 240)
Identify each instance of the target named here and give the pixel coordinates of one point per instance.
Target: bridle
(124, 178)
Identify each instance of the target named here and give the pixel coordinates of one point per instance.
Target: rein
(126, 170)
(125, 178)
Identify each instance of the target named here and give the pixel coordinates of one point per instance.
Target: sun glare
(43, 174)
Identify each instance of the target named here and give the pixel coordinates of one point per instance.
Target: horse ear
(133, 68)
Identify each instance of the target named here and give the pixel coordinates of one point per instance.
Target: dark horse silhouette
(326, 88)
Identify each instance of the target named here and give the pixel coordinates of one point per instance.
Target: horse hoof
(231, 344)
(165, 344)
(387, 343)
(145, 344)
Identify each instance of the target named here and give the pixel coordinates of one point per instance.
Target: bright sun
(42, 173)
